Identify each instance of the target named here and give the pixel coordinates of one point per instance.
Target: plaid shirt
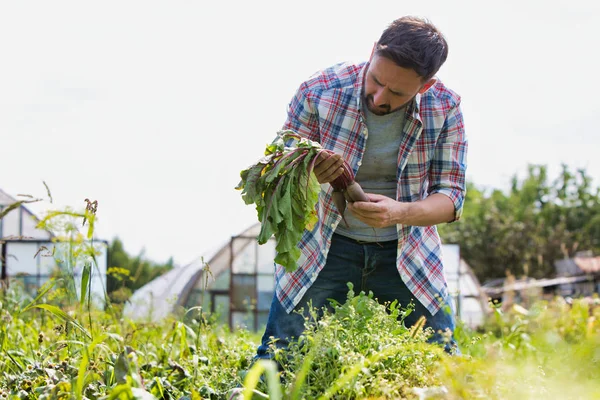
(432, 159)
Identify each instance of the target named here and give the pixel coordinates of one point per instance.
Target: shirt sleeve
(449, 163)
(302, 116)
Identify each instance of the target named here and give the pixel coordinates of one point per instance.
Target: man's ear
(427, 85)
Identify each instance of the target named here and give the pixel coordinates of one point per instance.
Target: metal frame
(252, 240)
(5, 276)
(3, 261)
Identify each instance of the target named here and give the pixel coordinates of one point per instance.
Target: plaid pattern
(432, 159)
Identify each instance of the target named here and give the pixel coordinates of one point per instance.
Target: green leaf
(79, 385)
(269, 368)
(15, 205)
(41, 293)
(122, 368)
(285, 204)
(266, 231)
(85, 282)
(248, 184)
(62, 315)
(285, 193)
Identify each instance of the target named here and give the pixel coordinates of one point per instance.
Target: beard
(383, 109)
(377, 110)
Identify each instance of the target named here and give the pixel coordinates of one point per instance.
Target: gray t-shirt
(377, 172)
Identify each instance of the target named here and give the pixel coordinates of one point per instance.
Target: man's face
(389, 87)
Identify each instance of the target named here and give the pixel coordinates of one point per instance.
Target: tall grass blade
(15, 205)
(343, 380)
(62, 315)
(14, 361)
(46, 287)
(85, 283)
(83, 366)
(251, 381)
(303, 373)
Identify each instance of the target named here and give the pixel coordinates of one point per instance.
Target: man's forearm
(435, 209)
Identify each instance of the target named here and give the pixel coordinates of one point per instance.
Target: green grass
(58, 346)
(360, 351)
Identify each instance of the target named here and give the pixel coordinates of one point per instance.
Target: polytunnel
(236, 281)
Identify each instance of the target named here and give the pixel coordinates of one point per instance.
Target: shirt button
(359, 163)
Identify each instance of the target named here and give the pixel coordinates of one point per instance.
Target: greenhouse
(236, 281)
(30, 256)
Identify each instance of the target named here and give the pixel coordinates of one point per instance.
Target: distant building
(583, 266)
(575, 277)
(29, 255)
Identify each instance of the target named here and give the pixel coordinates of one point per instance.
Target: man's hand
(383, 211)
(328, 167)
(379, 212)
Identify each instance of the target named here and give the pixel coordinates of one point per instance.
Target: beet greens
(285, 192)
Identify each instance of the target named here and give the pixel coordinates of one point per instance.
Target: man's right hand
(328, 167)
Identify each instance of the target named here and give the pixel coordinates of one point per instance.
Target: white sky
(153, 108)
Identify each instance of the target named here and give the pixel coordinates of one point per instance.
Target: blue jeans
(370, 267)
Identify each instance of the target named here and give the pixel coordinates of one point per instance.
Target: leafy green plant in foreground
(48, 358)
(358, 349)
(551, 350)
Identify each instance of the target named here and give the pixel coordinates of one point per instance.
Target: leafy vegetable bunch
(285, 192)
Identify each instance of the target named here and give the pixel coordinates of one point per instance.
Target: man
(401, 131)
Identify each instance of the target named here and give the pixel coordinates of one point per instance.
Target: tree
(126, 274)
(525, 230)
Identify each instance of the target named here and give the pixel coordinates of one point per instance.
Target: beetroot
(345, 188)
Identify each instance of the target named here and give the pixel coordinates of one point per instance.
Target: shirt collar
(358, 88)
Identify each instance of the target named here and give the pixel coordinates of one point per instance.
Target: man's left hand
(380, 212)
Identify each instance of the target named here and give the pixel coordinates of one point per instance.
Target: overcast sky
(153, 108)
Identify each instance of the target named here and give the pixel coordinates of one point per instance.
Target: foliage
(359, 349)
(126, 274)
(551, 350)
(285, 192)
(525, 230)
(48, 358)
(73, 350)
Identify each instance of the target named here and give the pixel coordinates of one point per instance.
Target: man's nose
(380, 98)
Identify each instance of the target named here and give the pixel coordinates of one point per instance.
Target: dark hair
(413, 42)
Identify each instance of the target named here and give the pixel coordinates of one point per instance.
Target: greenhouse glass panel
(20, 258)
(221, 308)
(266, 283)
(266, 255)
(244, 320)
(262, 320)
(243, 292)
(11, 223)
(29, 283)
(219, 283)
(263, 302)
(266, 288)
(245, 260)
